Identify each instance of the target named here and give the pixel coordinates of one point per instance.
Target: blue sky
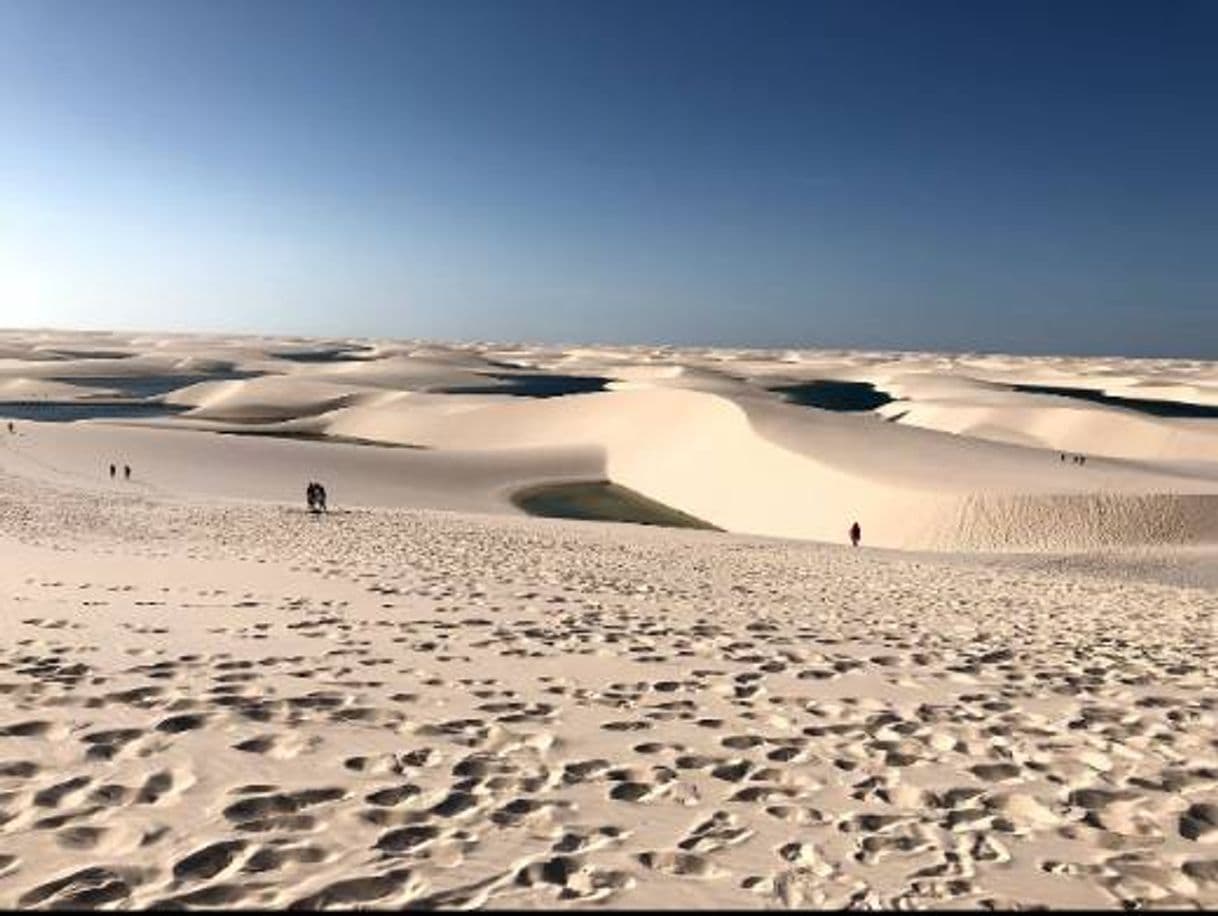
(1033, 177)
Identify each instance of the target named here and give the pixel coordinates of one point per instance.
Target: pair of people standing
(315, 494)
(126, 471)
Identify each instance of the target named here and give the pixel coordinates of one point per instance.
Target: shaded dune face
(924, 451)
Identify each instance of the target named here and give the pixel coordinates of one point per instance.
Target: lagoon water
(1150, 406)
(151, 386)
(337, 355)
(603, 501)
(66, 412)
(830, 394)
(534, 385)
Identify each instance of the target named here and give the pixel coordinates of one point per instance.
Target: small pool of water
(152, 386)
(532, 385)
(67, 411)
(1150, 406)
(829, 394)
(336, 355)
(602, 501)
(91, 354)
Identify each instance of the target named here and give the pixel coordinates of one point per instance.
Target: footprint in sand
(572, 879)
(86, 888)
(51, 796)
(352, 892)
(275, 810)
(680, 864)
(206, 863)
(278, 747)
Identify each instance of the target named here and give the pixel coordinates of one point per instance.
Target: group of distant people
(1074, 459)
(315, 495)
(126, 471)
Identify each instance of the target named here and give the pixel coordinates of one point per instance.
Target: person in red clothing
(855, 533)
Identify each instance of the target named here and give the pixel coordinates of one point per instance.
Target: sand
(209, 696)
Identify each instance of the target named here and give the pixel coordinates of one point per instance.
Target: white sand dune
(989, 410)
(211, 697)
(969, 463)
(234, 704)
(269, 398)
(202, 465)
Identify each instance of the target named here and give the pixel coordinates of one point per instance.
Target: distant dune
(959, 459)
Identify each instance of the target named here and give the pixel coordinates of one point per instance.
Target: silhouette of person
(10, 427)
(111, 472)
(311, 496)
(126, 472)
(856, 534)
(321, 498)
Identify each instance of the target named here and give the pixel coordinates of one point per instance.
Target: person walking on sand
(126, 472)
(311, 496)
(321, 498)
(856, 533)
(111, 472)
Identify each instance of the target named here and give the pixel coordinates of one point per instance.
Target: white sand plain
(209, 697)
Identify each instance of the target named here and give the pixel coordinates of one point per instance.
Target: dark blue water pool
(92, 354)
(830, 394)
(1150, 406)
(66, 412)
(152, 386)
(336, 355)
(534, 385)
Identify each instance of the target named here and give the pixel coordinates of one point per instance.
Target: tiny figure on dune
(126, 472)
(321, 498)
(1082, 459)
(111, 472)
(10, 427)
(856, 533)
(1063, 457)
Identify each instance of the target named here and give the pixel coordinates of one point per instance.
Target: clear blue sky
(1034, 177)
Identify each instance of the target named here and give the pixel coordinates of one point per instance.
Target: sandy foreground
(209, 697)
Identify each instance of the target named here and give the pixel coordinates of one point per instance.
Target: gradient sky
(1029, 177)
